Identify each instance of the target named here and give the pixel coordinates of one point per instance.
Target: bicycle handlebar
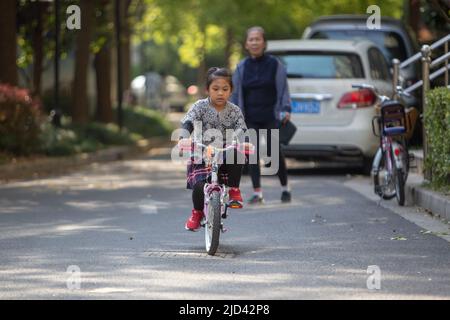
(241, 147)
(399, 90)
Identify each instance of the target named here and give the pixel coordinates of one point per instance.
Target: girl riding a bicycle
(214, 112)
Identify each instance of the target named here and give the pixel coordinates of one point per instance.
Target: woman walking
(261, 91)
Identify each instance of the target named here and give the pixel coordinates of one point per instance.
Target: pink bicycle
(216, 194)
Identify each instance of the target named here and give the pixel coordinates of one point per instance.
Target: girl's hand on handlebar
(185, 144)
(246, 148)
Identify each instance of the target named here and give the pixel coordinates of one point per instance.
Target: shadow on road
(297, 168)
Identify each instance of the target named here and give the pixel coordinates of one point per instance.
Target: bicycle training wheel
(212, 226)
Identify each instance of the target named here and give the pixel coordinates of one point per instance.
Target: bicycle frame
(213, 159)
(214, 185)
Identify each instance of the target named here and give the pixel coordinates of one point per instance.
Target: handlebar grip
(377, 118)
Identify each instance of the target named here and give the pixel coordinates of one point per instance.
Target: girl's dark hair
(215, 73)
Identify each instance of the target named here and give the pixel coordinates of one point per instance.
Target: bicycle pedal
(224, 214)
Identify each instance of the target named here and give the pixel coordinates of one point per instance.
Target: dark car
(392, 37)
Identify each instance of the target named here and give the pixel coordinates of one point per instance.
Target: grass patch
(72, 139)
(139, 123)
(146, 122)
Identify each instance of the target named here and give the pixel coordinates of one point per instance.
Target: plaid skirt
(201, 172)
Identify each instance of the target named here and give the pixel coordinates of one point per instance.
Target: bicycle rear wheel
(212, 226)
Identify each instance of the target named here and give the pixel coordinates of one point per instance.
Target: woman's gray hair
(257, 29)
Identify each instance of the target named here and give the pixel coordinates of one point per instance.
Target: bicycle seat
(391, 131)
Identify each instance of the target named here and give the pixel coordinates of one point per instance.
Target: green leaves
(212, 32)
(437, 125)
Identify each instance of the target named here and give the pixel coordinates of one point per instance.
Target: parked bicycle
(216, 194)
(391, 163)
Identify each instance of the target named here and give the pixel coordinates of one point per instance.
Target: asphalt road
(116, 231)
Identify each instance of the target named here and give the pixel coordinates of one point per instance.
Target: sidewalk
(436, 203)
(50, 166)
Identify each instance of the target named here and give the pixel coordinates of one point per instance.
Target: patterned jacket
(230, 118)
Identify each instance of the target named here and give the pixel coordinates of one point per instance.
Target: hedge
(20, 119)
(437, 125)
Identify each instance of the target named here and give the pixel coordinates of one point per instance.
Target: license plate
(308, 106)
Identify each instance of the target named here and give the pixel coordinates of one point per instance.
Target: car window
(301, 64)
(391, 43)
(378, 67)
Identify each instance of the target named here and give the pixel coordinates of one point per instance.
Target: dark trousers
(233, 172)
(254, 169)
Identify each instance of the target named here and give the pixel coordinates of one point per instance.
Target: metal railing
(427, 64)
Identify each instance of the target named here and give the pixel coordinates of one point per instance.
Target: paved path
(121, 225)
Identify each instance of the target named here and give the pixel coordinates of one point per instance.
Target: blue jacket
(283, 103)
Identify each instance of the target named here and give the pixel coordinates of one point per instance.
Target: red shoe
(235, 201)
(193, 222)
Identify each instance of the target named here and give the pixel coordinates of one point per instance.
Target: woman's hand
(287, 117)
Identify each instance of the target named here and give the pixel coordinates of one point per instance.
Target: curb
(43, 167)
(436, 203)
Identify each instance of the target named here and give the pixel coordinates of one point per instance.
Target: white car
(334, 121)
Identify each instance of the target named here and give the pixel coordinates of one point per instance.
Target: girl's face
(219, 91)
(255, 44)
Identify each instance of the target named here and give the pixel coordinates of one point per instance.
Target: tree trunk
(126, 44)
(228, 47)
(414, 15)
(103, 77)
(38, 46)
(80, 107)
(8, 39)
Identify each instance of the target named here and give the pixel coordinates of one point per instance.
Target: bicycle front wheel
(212, 226)
(383, 180)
